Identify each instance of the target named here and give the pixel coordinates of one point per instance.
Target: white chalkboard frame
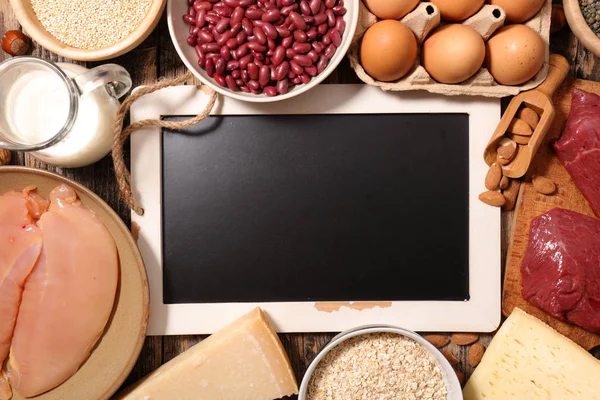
(480, 314)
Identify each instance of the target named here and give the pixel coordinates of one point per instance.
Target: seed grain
(377, 366)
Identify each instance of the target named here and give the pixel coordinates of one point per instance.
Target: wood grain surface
(531, 204)
(156, 59)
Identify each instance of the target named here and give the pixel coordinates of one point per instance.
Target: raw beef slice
(579, 147)
(561, 269)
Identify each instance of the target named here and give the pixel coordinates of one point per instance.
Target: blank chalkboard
(293, 208)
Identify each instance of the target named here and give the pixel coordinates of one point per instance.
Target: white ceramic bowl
(448, 374)
(179, 31)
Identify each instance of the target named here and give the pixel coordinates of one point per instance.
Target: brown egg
(518, 11)
(388, 50)
(515, 54)
(454, 11)
(453, 53)
(391, 9)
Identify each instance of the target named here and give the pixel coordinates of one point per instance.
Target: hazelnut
(15, 43)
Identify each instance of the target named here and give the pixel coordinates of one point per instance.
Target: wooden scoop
(529, 138)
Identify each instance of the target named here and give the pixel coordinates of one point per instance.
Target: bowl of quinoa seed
(88, 30)
(380, 363)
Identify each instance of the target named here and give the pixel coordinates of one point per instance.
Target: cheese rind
(529, 360)
(243, 361)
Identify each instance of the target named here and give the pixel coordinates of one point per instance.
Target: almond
(529, 116)
(543, 185)
(4, 157)
(464, 339)
(504, 182)
(438, 341)
(476, 354)
(491, 198)
(507, 150)
(510, 194)
(493, 177)
(524, 140)
(450, 357)
(519, 127)
(461, 377)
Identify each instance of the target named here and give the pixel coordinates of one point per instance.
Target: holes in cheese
(244, 360)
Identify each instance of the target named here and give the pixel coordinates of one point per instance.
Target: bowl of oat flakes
(380, 362)
(89, 30)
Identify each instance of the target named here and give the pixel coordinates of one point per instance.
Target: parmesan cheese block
(529, 360)
(243, 361)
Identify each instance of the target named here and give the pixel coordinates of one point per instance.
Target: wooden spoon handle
(559, 69)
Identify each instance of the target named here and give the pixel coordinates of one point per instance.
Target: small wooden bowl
(28, 19)
(579, 26)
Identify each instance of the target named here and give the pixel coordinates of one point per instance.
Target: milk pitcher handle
(114, 77)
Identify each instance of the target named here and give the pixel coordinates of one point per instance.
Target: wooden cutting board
(531, 204)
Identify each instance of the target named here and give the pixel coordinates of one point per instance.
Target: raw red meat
(579, 147)
(561, 269)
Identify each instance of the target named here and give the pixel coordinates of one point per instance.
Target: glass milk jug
(63, 113)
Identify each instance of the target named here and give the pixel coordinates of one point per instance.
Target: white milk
(37, 107)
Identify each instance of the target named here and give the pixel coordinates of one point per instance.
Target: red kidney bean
(300, 36)
(201, 61)
(232, 65)
(238, 81)
(222, 25)
(269, 6)
(271, 15)
(311, 34)
(287, 10)
(290, 53)
(259, 35)
(192, 40)
(220, 80)
(223, 10)
(336, 39)
(203, 5)
(220, 66)
(231, 3)
(296, 67)
(213, 56)
(224, 38)
(245, 76)
(282, 70)
(245, 89)
(312, 71)
(254, 14)
(225, 52)
(329, 51)
(253, 71)
(317, 47)
(278, 55)
(264, 75)
(235, 29)
(272, 72)
(313, 56)
(283, 31)
(236, 73)
(241, 37)
(189, 19)
(231, 83)
(237, 16)
(322, 64)
(194, 30)
(282, 86)
(305, 78)
(322, 29)
(256, 46)
(212, 19)
(247, 26)
(330, 3)
(340, 25)
(339, 10)
(242, 50)
(309, 20)
(271, 45)
(253, 85)
(210, 47)
(258, 59)
(296, 80)
(190, 2)
(286, 3)
(269, 29)
(326, 40)
(287, 42)
(298, 20)
(319, 19)
(303, 60)
(246, 3)
(330, 18)
(302, 48)
(192, 12)
(210, 67)
(244, 61)
(291, 75)
(304, 7)
(198, 50)
(270, 91)
(315, 6)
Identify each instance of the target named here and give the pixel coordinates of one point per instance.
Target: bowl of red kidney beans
(262, 50)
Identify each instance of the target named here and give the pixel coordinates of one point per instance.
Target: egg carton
(424, 19)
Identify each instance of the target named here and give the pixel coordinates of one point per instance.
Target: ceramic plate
(118, 349)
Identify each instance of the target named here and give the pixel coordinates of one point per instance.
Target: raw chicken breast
(68, 297)
(20, 246)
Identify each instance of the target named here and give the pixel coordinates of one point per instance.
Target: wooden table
(155, 59)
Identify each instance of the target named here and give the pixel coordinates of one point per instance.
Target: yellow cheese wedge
(243, 361)
(528, 360)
